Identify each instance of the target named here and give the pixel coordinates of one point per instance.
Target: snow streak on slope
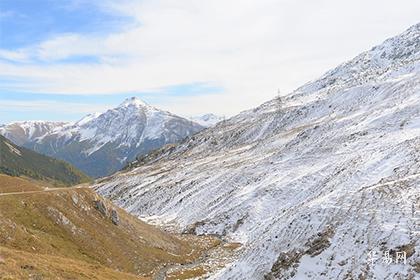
(310, 185)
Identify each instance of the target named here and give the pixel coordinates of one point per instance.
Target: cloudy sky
(62, 59)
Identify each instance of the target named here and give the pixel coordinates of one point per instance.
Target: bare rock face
(100, 206)
(115, 218)
(60, 219)
(107, 213)
(287, 262)
(75, 199)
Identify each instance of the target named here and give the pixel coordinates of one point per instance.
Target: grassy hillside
(18, 161)
(15, 264)
(73, 233)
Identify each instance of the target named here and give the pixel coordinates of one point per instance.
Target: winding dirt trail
(43, 191)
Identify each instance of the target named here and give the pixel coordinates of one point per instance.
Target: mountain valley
(313, 184)
(72, 233)
(321, 183)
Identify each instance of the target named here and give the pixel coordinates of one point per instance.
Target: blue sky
(26, 23)
(62, 59)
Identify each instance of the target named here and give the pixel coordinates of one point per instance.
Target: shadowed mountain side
(19, 161)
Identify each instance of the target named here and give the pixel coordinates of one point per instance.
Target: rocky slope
(318, 185)
(100, 144)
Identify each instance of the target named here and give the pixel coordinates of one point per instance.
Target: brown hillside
(77, 224)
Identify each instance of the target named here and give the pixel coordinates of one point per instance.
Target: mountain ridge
(310, 183)
(102, 143)
(22, 132)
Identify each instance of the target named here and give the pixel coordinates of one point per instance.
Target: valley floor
(73, 233)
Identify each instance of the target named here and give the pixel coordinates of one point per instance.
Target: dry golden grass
(65, 224)
(15, 184)
(23, 265)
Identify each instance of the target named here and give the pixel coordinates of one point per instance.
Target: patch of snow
(13, 149)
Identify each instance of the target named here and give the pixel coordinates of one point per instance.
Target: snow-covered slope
(100, 144)
(207, 120)
(313, 186)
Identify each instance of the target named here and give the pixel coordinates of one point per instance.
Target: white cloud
(44, 106)
(250, 48)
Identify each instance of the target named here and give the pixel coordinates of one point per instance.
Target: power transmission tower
(279, 100)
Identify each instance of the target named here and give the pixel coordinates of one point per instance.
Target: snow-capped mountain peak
(134, 101)
(102, 143)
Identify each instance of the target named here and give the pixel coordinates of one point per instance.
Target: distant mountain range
(18, 161)
(100, 144)
(208, 120)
